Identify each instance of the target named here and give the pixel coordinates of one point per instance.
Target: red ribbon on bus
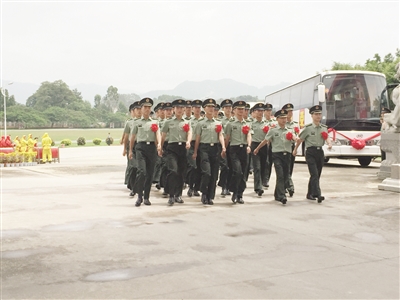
(356, 143)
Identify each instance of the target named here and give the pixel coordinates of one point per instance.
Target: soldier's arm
(196, 146)
(262, 144)
(131, 144)
(249, 142)
(298, 142)
(163, 136)
(125, 141)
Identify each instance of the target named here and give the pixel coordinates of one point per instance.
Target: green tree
(10, 100)
(128, 99)
(56, 115)
(26, 115)
(111, 99)
(51, 94)
(97, 101)
(386, 66)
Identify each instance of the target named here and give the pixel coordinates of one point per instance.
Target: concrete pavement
(70, 231)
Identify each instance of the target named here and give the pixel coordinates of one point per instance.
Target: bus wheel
(326, 159)
(364, 161)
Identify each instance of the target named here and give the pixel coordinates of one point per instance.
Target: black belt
(146, 143)
(282, 152)
(177, 143)
(315, 147)
(209, 144)
(241, 145)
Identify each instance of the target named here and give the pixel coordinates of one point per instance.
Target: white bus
(351, 104)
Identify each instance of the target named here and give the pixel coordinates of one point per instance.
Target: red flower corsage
(266, 129)
(324, 135)
(296, 129)
(186, 127)
(289, 136)
(218, 128)
(154, 127)
(245, 129)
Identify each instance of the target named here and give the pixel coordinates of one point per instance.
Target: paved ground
(70, 231)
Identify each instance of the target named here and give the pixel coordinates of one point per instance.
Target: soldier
(188, 110)
(194, 171)
(147, 133)
(216, 110)
(157, 169)
(259, 130)
(226, 172)
(271, 123)
(315, 136)
(238, 138)
(209, 133)
(294, 126)
(131, 169)
(180, 136)
(167, 107)
(281, 139)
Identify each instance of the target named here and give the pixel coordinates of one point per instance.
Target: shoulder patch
(308, 125)
(323, 125)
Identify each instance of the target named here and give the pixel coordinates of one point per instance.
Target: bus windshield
(352, 97)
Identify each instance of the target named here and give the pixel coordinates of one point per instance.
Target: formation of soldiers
(194, 144)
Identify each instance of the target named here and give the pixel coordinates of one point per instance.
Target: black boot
(139, 201)
(171, 201)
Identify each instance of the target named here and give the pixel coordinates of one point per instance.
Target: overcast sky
(157, 45)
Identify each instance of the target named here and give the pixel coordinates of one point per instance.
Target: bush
(53, 143)
(109, 140)
(66, 142)
(81, 141)
(96, 141)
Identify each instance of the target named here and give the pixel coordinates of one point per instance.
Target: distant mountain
(223, 88)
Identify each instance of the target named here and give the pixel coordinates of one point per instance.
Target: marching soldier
(315, 136)
(271, 123)
(216, 111)
(167, 107)
(294, 126)
(259, 130)
(125, 143)
(132, 162)
(157, 169)
(238, 138)
(194, 171)
(226, 172)
(146, 133)
(280, 138)
(180, 136)
(209, 133)
(188, 110)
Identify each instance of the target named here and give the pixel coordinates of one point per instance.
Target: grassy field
(73, 134)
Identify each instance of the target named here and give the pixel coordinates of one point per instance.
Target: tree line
(54, 104)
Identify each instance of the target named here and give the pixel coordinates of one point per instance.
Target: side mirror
(321, 92)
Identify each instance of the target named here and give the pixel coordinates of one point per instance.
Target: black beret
(281, 113)
(226, 102)
(178, 103)
(146, 102)
(188, 103)
(197, 103)
(258, 106)
(239, 104)
(316, 109)
(209, 101)
(268, 106)
(288, 106)
(167, 105)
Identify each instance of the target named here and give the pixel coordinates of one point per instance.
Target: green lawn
(73, 134)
